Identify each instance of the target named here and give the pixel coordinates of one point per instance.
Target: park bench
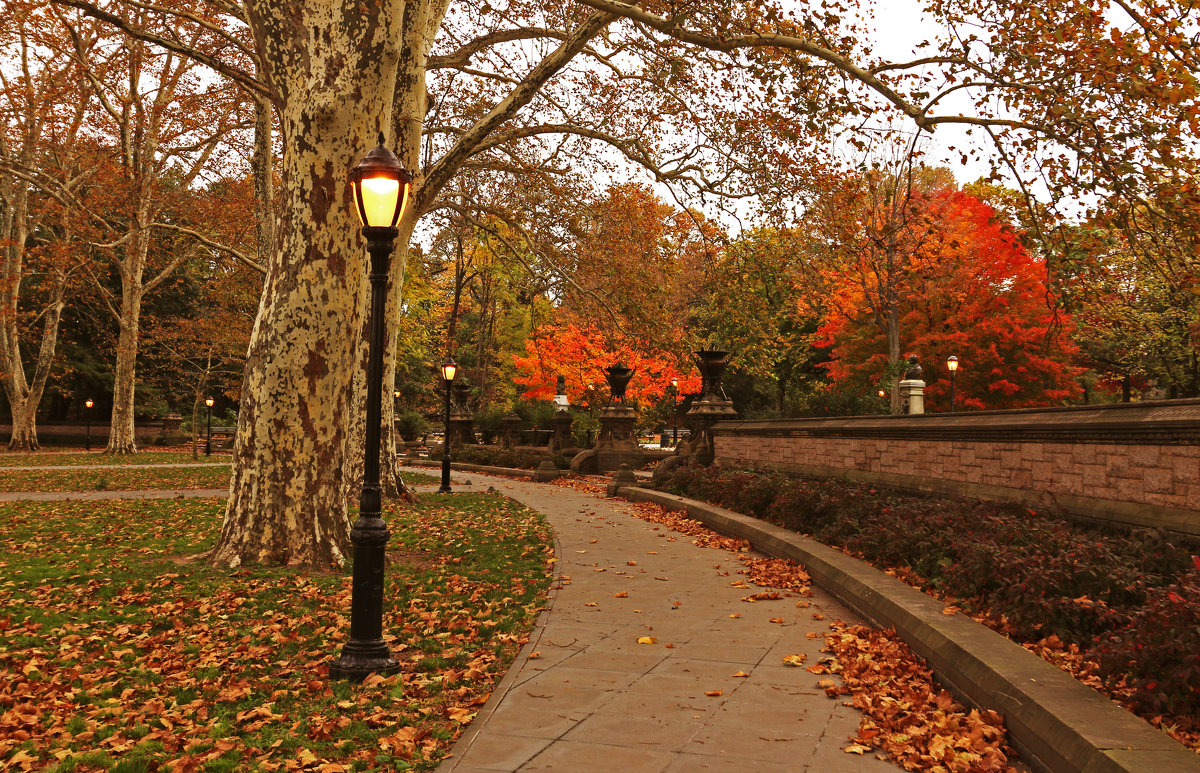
(222, 437)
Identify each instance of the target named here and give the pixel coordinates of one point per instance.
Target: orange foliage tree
(974, 292)
(580, 355)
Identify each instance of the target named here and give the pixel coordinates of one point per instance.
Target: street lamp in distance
(380, 186)
(208, 401)
(448, 371)
(952, 364)
(88, 404)
(674, 412)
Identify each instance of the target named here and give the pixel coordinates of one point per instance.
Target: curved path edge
(1056, 722)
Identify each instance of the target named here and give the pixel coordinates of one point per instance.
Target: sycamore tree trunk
(331, 67)
(121, 439)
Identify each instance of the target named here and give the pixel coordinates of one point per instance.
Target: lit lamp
(952, 364)
(88, 404)
(448, 371)
(380, 187)
(208, 438)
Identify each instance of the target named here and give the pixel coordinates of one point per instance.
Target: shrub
(498, 456)
(1120, 594)
(1158, 655)
(410, 424)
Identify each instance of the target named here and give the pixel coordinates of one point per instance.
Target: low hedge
(499, 456)
(1128, 600)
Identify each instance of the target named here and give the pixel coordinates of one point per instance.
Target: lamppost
(448, 371)
(952, 364)
(208, 401)
(380, 186)
(88, 404)
(674, 412)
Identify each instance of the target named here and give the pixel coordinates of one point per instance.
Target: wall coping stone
(1059, 724)
(1158, 422)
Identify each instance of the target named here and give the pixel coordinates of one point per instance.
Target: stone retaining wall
(1138, 463)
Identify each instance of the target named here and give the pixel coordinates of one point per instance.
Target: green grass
(115, 479)
(116, 654)
(130, 479)
(73, 458)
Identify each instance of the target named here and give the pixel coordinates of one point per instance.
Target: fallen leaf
(647, 640)
(856, 748)
(740, 675)
(714, 693)
(795, 660)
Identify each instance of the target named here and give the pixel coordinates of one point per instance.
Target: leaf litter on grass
(112, 655)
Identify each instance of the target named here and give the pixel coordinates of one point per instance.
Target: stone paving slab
(584, 695)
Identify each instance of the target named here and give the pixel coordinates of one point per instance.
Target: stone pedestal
(171, 424)
(511, 429)
(617, 443)
(912, 395)
(561, 440)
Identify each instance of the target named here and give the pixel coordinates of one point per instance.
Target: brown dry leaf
(647, 640)
(535, 655)
(621, 595)
(714, 693)
(951, 610)
(779, 620)
(740, 675)
(795, 660)
(856, 748)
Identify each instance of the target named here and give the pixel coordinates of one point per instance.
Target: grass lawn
(116, 654)
(146, 476)
(118, 479)
(70, 458)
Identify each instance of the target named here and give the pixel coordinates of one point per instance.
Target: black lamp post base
(360, 658)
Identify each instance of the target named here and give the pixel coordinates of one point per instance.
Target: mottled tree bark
(331, 67)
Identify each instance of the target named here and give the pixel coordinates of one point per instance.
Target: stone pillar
(712, 406)
(462, 423)
(912, 388)
(511, 430)
(561, 440)
(617, 443)
(912, 395)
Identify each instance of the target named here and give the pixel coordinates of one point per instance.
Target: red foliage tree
(580, 355)
(974, 292)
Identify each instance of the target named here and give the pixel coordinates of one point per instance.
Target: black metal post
(366, 652)
(208, 434)
(951, 391)
(674, 415)
(88, 445)
(445, 488)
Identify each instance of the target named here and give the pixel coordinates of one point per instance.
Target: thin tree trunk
(121, 438)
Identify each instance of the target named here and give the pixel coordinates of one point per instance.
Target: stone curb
(1057, 723)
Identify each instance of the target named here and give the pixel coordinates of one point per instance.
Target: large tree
(42, 112)
(708, 96)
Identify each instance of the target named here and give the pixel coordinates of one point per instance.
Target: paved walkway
(585, 695)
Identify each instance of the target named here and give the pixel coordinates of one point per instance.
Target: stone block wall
(1138, 463)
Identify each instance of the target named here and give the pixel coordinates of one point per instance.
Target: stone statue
(914, 371)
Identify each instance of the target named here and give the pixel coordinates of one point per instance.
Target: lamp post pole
(208, 401)
(88, 404)
(448, 371)
(674, 412)
(952, 364)
(380, 185)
